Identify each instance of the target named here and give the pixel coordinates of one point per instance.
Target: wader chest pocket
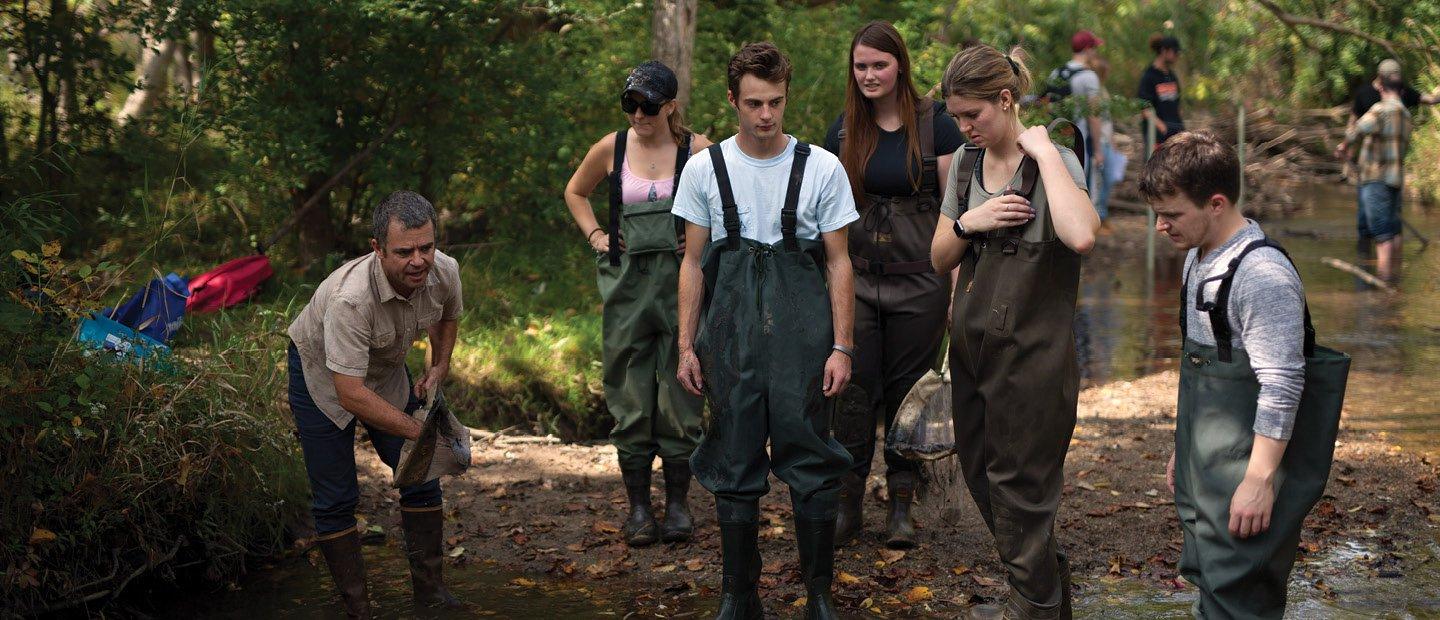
(1000, 319)
(648, 230)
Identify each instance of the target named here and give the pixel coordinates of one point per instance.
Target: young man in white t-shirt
(771, 344)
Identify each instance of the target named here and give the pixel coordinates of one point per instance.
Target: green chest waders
(1014, 384)
(1245, 578)
(654, 415)
(900, 305)
(765, 333)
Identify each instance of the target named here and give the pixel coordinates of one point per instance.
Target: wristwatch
(962, 233)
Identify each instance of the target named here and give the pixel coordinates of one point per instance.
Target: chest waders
(900, 306)
(654, 415)
(764, 336)
(1014, 386)
(1245, 578)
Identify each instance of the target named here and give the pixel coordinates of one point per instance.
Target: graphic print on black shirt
(1162, 90)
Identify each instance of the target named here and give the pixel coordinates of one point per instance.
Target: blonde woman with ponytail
(1016, 219)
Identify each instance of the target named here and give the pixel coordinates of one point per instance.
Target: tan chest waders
(1014, 387)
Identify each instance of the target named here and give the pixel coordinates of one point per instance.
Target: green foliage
(113, 468)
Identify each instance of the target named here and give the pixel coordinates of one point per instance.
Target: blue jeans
(1097, 178)
(1378, 215)
(330, 458)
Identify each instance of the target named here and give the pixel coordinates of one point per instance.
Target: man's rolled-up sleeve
(347, 337)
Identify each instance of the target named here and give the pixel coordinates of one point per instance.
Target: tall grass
(113, 469)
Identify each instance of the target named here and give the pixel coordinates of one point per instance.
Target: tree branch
(1290, 19)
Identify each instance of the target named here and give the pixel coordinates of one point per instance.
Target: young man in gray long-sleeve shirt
(1192, 183)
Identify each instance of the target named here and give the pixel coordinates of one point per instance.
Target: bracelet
(592, 234)
(849, 352)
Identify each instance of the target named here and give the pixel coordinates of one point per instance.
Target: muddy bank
(551, 510)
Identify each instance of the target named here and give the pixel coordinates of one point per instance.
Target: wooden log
(1359, 273)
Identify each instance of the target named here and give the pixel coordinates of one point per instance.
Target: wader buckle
(875, 267)
(1011, 246)
(1197, 360)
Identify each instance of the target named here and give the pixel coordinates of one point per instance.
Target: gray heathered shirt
(1267, 321)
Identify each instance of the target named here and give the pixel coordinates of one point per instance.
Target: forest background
(139, 137)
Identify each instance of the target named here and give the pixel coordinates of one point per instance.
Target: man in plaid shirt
(1384, 136)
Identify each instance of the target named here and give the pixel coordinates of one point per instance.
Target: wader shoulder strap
(1030, 169)
(965, 174)
(613, 228)
(682, 155)
(788, 216)
(727, 198)
(929, 169)
(1219, 310)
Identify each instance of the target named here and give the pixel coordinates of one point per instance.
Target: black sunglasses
(649, 107)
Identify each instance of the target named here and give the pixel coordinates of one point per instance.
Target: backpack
(1057, 87)
(228, 284)
(156, 310)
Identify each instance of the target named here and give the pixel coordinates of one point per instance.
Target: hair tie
(1013, 66)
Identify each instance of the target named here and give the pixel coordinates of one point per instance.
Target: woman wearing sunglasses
(637, 255)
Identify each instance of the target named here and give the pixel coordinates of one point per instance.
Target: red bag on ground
(228, 284)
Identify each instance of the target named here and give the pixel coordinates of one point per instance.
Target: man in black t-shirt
(1161, 89)
(1368, 93)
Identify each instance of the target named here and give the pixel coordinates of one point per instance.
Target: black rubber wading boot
(640, 528)
(851, 518)
(347, 568)
(423, 532)
(816, 542)
(899, 528)
(740, 552)
(677, 526)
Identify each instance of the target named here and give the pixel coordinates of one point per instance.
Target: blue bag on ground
(156, 310)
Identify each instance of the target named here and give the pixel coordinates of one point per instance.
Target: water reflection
(1126, 325)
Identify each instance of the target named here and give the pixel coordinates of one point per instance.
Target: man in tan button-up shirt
(347, 362)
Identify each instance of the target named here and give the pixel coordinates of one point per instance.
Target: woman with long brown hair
(638, 267)
(894, 145)
(1016, 219)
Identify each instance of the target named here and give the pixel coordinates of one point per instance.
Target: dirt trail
(534, 505)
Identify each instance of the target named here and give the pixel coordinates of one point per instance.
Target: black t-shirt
(1162, 90)
(886, 173)
(1366, 96)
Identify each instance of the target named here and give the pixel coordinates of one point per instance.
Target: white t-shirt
(759, 185)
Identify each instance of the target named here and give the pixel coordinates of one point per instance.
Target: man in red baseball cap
(1085, 40)
(1079, 83)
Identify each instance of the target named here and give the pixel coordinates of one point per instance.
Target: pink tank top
(634, 188)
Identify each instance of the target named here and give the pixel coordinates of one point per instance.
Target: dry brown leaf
(847, 579)
(668, 568)
(695, 564)
(988, 582)
(960, 570)
(605, 527)
(522, 582)
(918, 594)
(41, 535)
(891, 556)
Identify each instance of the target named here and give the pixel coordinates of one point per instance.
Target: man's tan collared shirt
(357, 325)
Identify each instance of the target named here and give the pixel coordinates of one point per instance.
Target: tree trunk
(672, 40)
(203, 42)
(154, 73)
(63, 25)
(182, 69)
(317, 232)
